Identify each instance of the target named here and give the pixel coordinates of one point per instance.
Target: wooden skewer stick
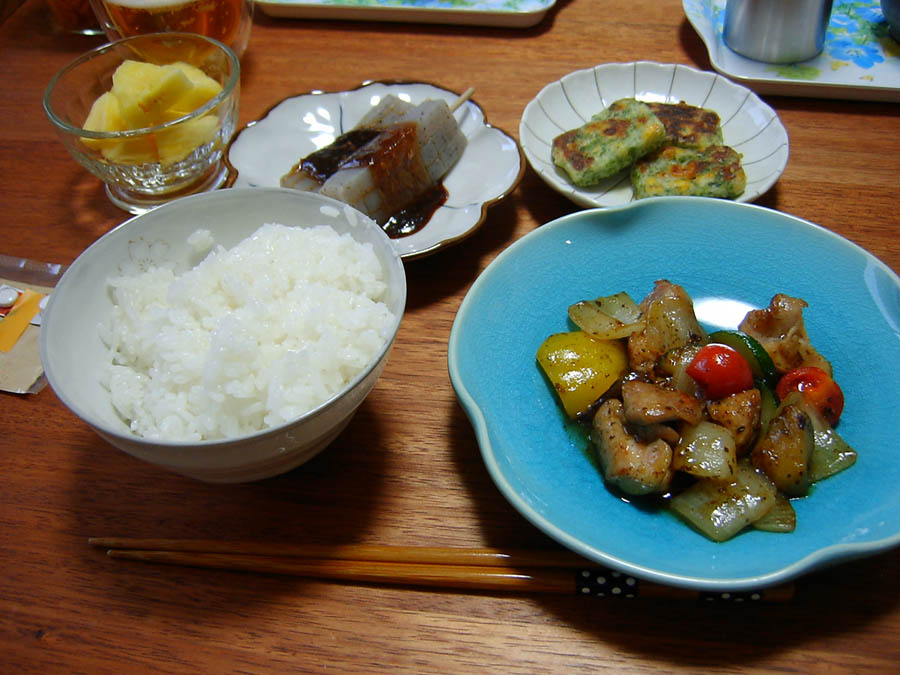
(451, 568)
(465, 96)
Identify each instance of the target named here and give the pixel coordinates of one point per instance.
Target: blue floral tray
(511, 13)
(860, 59)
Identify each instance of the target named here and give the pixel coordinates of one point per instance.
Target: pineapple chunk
(179, 141)
(139, 150)
(145, 93)
(130, 76)
(104, 116)
(204, 89)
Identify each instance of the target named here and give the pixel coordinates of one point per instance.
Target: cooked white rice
(251, 337)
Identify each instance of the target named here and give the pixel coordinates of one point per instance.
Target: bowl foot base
(137, 202)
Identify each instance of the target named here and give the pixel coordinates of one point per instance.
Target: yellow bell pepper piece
(581, 368)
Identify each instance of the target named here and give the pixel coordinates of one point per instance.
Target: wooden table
(407, 470)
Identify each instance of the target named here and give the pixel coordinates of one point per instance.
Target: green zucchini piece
(768, 404)
(749, 347)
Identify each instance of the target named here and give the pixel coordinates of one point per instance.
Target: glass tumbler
(777, 31)
(228, 21)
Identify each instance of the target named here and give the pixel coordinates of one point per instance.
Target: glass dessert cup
(145, 167)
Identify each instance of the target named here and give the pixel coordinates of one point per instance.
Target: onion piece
(831, 454)
(721, 509)
(782, 517)
(596, 323)
(608, 318)
(675, 363)
(619, 306)
(706, 450)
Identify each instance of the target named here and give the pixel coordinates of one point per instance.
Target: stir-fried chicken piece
(740, 414)
(635, 467)
(647, 433)
(647, 403)
(669, 323)
(780, 330)
(784, 452)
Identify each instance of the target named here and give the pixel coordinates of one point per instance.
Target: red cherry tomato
(721, 370)
(818, 390)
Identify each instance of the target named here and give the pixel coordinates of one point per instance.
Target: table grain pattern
(407, 470)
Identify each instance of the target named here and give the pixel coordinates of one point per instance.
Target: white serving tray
(860, 60)
(510, 13)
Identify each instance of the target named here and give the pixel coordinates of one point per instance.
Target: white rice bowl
(187, 342)
(250, 338)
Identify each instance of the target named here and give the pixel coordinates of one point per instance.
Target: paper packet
(20, 367)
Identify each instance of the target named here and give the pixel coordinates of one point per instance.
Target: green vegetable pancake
(611, 141)
(688, 126)
(712, 172)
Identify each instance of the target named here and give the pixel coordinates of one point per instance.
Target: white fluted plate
(490, 167)
(749, 125)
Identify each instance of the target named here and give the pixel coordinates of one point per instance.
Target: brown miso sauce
(415, 216)
(322, 164)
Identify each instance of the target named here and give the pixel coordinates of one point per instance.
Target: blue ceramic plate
(729, 257)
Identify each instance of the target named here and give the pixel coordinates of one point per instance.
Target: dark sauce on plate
(415, 216)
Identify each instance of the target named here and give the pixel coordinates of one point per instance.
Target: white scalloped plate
(490, 168)
(749, 126)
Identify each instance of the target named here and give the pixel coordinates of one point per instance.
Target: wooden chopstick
(471, 577)
(451, 568)
(430, 555)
